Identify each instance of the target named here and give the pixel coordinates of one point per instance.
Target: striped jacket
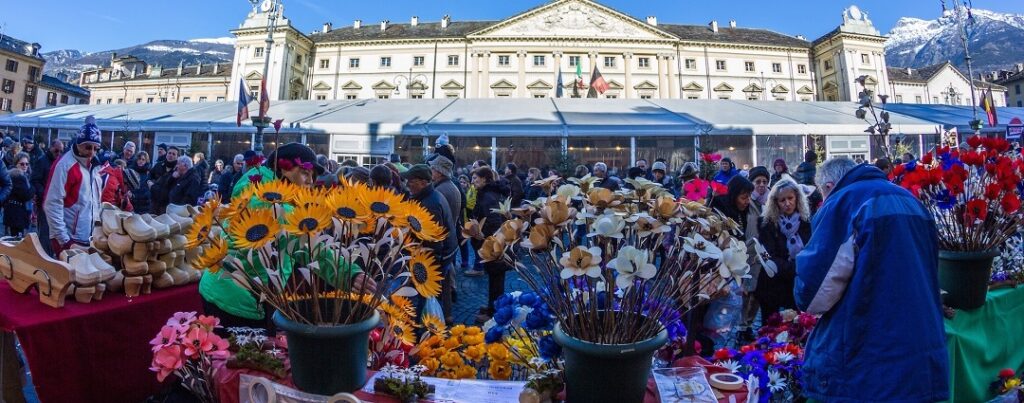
(870, 270)
(72, 198)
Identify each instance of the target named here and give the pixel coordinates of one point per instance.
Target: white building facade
(940, 84)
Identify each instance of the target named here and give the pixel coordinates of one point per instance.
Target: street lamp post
(765, 83)
(261, 122)
(957, 6)
(409, 79)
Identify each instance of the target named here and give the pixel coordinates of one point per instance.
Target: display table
(96, 352)
(983, 341)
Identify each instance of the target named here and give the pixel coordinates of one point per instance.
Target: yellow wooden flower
(199, 232)
(404, 304)
(465, 372)
(213, 256)
(492, 249)
(403, 331)
(426, 274)
(452, 360)
(664, 207)
(382, 202)
(512, 230)
(307, 219)
(457, 330)
(473, 336)
(434, 325)
(500, 370)
(475, 353)
(540, 237)
(451, 343)
(254, 229)
(498, 352)
(275, 192)
(313, 195)
(345, 204)
(420, 221)
(393, 313)
(431, 363)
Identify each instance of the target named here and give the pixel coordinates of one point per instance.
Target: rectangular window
(120, 100)
(202, 99)
(163, 100)
(1020, 104)
(258, 52)
(325, 63)
(64, 99)
(321, 97)
(611, 96)
(935, 100)
(110, 101)
(30, 90)
(828, 65)
(383, 96)
(538, 95)
(899, 99)
(149, 100)
(418, 60)
(12, 65)
(609, 62)
(748, 67)
(538, 60)
(33, 73)
(185, 99)
(351, 96)
(720, 65)
(452, 96)
(1016, 89)
(917, 99)
(645, 97)
(776, 67)
(220, 99)
(503, 60)
(802, 69)
(691, 64)
(51, 98)
(753, 97)
(864, 58)
(573, 61)
(5, 104)
(644, 62)
(416, 96)
(138, 100)
(385, 61)
(8, 86)
(298, 59)
(353, 63)
(453, 60)
(724, 97)
(693, 97)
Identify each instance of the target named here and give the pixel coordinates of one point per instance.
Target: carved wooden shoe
(178, 242)
(138, 229)
(162, 230)
(85, 273)
(133, 286)
(168, 259)
(173, 226)
(101, 288)
(111, 221)
(120, 245)
(147, 284)
(134, 267)
(164, 280)
(180, 277)
(156, 267)
(184, 222)
(106, 271)
(84, 294)
(116, 284)
(99, 239)
(179, 210)
(162, 247)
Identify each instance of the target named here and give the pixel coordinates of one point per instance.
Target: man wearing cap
(441, 171)
(72, 197)
(28, 145)
(658, 175)
(418, 179)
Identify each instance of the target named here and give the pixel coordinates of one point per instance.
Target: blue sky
(96, 25)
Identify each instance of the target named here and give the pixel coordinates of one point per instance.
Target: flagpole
(261, 122)
(957, 5)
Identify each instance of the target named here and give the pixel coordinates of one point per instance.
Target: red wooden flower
(975, 141)
(977, 210)
(1010, 203)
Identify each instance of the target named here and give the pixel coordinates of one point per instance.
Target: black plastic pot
(607, 372)
(965, 276)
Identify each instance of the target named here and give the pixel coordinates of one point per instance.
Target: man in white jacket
(72, 199)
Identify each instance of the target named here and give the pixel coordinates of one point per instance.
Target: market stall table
(96, 352)
(983, 341)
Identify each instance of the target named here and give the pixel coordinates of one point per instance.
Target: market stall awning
(958, 116)
(628, 117)
(498, 117)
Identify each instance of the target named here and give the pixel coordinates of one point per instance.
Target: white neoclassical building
(522, 57)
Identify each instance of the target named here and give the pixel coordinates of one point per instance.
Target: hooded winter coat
(870, 270)
(72, 199)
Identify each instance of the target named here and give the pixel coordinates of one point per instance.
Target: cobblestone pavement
(472, 293)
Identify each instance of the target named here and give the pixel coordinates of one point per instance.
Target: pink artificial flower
(168, 335)
(208, 322)
(166, 361)
(181, 321)
(220, 347)
(197, 341)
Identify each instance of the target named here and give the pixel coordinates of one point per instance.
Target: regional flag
(597, 84)
(577, 85)
(264, 98)
(558, 89)
(989, 105)
(243, 102)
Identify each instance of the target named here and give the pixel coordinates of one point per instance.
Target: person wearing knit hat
(73, 194)
(761, 179)
(128, 152)
(658, 175)
(441, 140)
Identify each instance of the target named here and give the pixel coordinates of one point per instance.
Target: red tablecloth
(96, 352)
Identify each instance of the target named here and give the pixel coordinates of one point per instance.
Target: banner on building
(1015, 129)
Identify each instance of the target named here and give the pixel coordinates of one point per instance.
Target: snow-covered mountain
(167, 53)
(994, 38)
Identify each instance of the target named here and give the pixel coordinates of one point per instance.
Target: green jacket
(220, 290)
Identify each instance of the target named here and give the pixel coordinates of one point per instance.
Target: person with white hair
(607, 181)
(128, 153)
(230, 177)
(188, 181)
(870, 269)
(785, 227)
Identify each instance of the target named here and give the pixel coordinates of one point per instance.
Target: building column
(473, 84)
(593, 63)
(627, 60)
(485, 88)
(557, 55)
(673, 78)
(521, 86)
(661, 77)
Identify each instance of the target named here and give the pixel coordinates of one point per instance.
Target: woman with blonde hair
(785, 227)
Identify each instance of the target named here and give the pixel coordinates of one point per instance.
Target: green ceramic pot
(965, 276)
(597, 373)
(328, 359)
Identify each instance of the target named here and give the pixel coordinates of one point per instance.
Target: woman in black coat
(785, 228)
(490, 193)
(188, 187)
(16, 213)
(141, 194)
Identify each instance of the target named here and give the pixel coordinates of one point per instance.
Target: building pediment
(254, 76)
(723, 87)
(452, 85)
(351, 85)
(503, 85)
(780, 89)
(417, 85)
(614, 85)
(573, 18)
(693, 86)
(296, 81)
(805, 90)
(540, 85)
(322, 86)
(829, 86)
(646, 85)
(384, 85)
(753, 88)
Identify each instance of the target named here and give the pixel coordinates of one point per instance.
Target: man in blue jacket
(870, 270)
